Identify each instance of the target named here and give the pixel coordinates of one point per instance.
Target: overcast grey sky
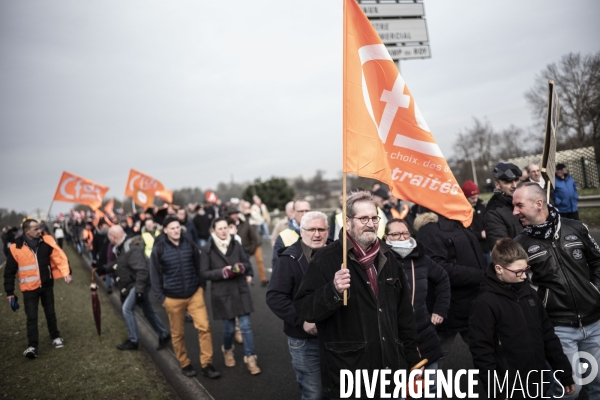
(193, 92)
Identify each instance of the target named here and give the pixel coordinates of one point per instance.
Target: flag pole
(344, 210)
(49, 209)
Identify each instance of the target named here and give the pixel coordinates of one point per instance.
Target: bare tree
(577, 80)
(513, 142)
(477, 142)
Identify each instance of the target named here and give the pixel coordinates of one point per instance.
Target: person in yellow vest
(36, 261)
(289, 236)
(150, 232)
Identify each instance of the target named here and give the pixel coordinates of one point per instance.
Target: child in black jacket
(510, 334)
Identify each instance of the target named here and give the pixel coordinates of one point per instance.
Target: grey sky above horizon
(195, 93)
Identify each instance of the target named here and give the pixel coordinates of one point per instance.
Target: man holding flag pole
(362, 311)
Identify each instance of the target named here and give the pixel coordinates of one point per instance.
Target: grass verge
(85, 368)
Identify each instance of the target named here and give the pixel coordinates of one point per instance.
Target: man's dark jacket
(477, 226)
(190, 230)
(250, 238)
(429, 276)
(175, 270)
(371, 332)
(99, 248)
(509, 330)
(457, 250)
(284, 284)
(567, 273)
(202, 224)
(499, 221)
(130, 267)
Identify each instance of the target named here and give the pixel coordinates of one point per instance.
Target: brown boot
(251, 364)
(228, 355)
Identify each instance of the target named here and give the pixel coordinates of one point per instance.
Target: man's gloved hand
(14, 302)
(139, 298)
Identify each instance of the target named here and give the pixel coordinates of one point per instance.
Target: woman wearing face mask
(421, 271)
(224, 262)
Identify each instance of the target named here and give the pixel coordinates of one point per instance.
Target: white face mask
(403, 244)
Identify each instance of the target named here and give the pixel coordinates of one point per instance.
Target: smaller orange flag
(109, 207)
(75, 189)
(143, 188)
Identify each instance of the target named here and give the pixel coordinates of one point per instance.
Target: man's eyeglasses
(398, 235)
(301, 211)
(365, 220)
(312, 231)
(518, 273)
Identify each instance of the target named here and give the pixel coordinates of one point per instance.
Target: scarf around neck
(221, 244)
(547, 229)
(367, 260)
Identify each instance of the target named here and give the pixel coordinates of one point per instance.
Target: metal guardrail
(589, 201)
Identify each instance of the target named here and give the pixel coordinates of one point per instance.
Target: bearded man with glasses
(376, 330)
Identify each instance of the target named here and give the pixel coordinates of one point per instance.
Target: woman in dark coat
(224, 263)
(421, 271)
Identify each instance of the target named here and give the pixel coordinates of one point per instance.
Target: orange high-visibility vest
(29, 270)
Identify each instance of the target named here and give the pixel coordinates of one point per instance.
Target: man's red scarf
(367, 260)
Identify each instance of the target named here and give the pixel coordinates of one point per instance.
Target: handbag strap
(412, 265)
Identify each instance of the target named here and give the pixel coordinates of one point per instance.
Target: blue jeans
(263, 229)
(305, 359)
(433, 386)
(149, 312)
(109, 280)
(574, 341)
(246, 329)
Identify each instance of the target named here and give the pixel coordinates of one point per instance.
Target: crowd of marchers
(520, 285)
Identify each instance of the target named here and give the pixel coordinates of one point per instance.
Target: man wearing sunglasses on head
(510, 333)
(565, 266)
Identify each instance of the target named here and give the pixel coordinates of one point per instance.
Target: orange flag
(75, 189)
(109, 207)
(385, 136)
(143, 188)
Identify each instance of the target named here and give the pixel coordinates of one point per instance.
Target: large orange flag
(385, 136)
(143, 188)
(75, 189)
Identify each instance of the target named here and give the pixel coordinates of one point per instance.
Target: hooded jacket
(509, 330)
(428, 276)
(457, 250)
(499, 221)
(566, 271)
